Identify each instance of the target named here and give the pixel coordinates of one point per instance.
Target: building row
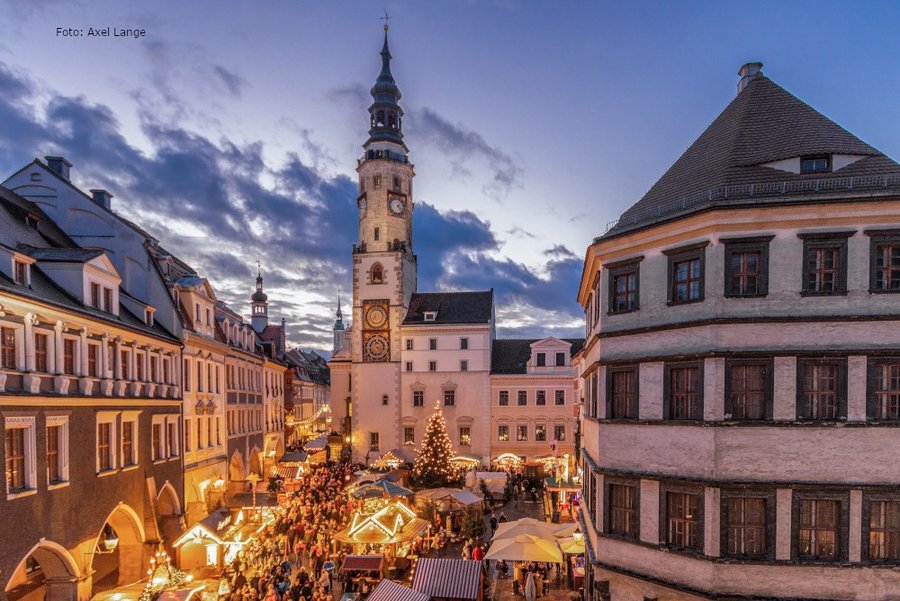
(741, 375)
(134, 401)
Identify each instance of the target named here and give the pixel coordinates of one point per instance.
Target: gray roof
(511, 356)
(451, 307)
(764, 123)
(60, 255)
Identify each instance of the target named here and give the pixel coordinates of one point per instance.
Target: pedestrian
(502, 518)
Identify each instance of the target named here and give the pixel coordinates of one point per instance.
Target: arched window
(379, 121)
(377, 273)
(392, 120)
(377, 234)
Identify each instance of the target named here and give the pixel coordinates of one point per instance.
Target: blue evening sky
(531, 125)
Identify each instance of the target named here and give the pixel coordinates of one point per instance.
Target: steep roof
(763, 124)
(510, 356)
(451, 307)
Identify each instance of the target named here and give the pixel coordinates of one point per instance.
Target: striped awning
(388, 590)
(448, 578)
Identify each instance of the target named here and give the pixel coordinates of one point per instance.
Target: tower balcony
(386, 155)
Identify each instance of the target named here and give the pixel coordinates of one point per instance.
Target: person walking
(530, 587)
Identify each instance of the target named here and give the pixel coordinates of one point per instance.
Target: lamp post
(253, 478)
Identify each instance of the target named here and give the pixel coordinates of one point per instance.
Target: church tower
(384, 269)
(259, 305)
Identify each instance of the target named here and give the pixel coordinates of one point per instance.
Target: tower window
(377, 271)
(377, 234)
(376, 182)
(396, 183)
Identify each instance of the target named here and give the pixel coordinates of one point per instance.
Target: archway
(119, 551)
(169, 509)
(236, 468)
(255, 465)
(48, 571)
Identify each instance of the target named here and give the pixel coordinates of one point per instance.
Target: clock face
(397, 205)
(376, 348)
(376, 317)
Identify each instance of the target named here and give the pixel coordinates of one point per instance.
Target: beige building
(742, 369)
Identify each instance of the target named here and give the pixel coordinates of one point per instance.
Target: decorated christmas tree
(432, 467)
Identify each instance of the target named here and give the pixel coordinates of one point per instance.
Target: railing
(383, 154)
(762, 190)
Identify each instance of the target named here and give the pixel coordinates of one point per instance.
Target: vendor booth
(216, 539)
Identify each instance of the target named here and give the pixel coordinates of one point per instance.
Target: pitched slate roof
(510, 356)
(451, 307)
(60, 255)
(764, 123)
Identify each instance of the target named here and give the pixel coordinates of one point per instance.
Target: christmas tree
(432, 467)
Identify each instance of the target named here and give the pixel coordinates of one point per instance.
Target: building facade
(742, 370)
(91, 413)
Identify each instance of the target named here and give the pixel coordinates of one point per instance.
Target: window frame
(559, 397)
(541, 428)
(868, 499)
(540, 397)
(62, 452)
(503, 398)
(111, 418)
(872, 365)
(556, 436)
(449, 397)
(521, 438)
(843, 528)
(664, 489)
(741, 245)
(841, 392)
(620, 269)
(500, 437)
(680, 255)
(633, 410)
(521, 398)
(418, 398)
(769, 497)
(465, 440)
(407, 430)
(9, 358)
(635, 486)
(823, 240)
(816, 157)
(375, 441)
(697, 414)
(27, 423)
(769, 365)
(878, 238)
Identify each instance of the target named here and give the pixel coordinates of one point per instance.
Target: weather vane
(385, 18)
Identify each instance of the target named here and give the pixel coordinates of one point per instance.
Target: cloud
(464, 146)
(220, 206)
(233, 82)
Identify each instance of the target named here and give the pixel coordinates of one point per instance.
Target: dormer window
(148, 317)
(430, 315)
(815, 164)
(20, 273)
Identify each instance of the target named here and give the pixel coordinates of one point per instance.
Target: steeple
(338, 317)
(259, 304)
(385, 114)
(338, 329)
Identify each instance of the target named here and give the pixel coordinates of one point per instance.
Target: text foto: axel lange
(100, 32)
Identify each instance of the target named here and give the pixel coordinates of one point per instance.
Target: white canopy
(525, 548)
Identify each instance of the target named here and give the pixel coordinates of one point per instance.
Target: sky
(230, 130)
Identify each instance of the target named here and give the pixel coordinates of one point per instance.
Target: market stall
(216, 539)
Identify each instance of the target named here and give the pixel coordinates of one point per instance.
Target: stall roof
(293, 457)
(448, 578)
(388, 590)
(365, 563)
(216, 526)
(288, 472)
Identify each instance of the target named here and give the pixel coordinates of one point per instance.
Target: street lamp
(253, 478)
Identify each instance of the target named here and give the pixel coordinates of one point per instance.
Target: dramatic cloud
(233, 82)
(220, 206)
(464, 145)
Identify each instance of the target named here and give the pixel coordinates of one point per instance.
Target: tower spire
(385, 114)
(259, 303)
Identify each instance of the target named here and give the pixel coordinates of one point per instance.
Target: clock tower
(384, 269)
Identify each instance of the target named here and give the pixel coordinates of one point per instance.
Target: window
(172, 436)
(821, 389)
(815, 164)
(418, 398)
(187, 435)
(503, 433)
(884, 528)
(541, 360)
(560, 397)
(123, 363)
(384, 400)
(540, 432)
(377, 238)
(622, 509)
(8, 348)
(19, 446)
(747, 266)
(522, 432)
(559, 432)
(21, 273)
(154, 368)
(686, 278)
(373, 441)
(40, 352)
(409, 435)
(409, 366)
(463, 365)
(465, 436)
(57, 449)
(463, 343)
(449, 398)
(93, 352)
(156, 442)
(376, 181)
(432, 366)
(884, 267)
(818, 532)
(522, 398)
(197, 312)
(683, 524)
(503, 398)
(748, 389)
(139, 359)
(409, 344)
(622, 393)
(748, 524)
(377, 269)
(540, 397)
(560, 359)
(623, 287)
(432, 344)
(684, 391)
(95, 296)
(104, 446)
(825, 263)
(884, 388)
(186, 376)
(108, 300)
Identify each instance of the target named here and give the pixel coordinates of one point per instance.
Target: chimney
(748, 73)
(59, 166)
(102, 198)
